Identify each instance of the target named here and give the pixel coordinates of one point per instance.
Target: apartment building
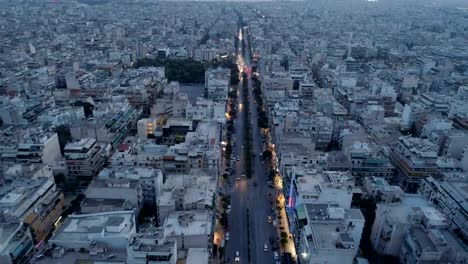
(217, 84)
(414, 160)
(330, 234)
(34, 201)
(393, 220)
(38, 146)
(16, 242)
(84, 159)
(149, 246)
(450, 197)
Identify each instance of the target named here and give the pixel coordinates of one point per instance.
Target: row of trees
(262, 115)
(247, 127)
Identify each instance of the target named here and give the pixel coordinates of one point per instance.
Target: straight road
(245, 195)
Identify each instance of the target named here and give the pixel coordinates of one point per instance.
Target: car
(238, 159)
(237, 258)
(229, 207)
(270, 220)
(265, 247)
(237, 178)
(226, 237)
(275, 255)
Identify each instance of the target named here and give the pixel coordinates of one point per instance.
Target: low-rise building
(109, 230)
(125, 187)
(191, 229)
(432, 245)
(217, 84)
(330, 234)
(381, 190)
(149, 246)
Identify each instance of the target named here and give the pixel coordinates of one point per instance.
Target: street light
(304, 255)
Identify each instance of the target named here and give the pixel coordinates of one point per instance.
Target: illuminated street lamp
(304, 255)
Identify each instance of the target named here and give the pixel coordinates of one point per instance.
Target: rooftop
(85, 227)
(197, 255)
(197, 222)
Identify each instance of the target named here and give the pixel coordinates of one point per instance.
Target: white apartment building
(149, 246)
(450, 197)
(381, 190)
(148, 181)
(112, 229)
(330, 234)
(38, 146)
(393, 220)
(217, 84)
(191, 229)
(432, 245)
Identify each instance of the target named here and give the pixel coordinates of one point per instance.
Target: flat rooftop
(83, 227)
(197, 222)
(197, 256)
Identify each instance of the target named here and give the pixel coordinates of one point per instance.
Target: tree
(284, 234)
(267, 154)
(284, 241)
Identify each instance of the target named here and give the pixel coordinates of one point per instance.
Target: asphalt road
(245, 196)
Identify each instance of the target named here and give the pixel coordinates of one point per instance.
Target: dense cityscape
(259, 132)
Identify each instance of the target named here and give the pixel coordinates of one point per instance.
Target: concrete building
(146, 127)
(198, 255)
(34, 201)
(432, 245)
(191, 229)
(381, 190)
(321, 187)
(38, 146)
(217, 84)
(149, 246)
(393, 220)
(450, 197)
(110, 230)
(195, 191)
(135, 186)
(414, 159)
(330, 234)
(110, 128)
(84, 159)
(16, 242)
